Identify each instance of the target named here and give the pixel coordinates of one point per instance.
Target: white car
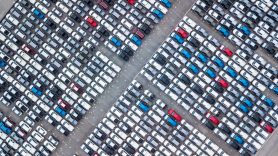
(29, 148)
(31, 140)
(110, 46)
(84, 104)
(101, 81)
(163, 9)
(107, 25)
(41, 130)
(261, 32)
(262, 6)
(189, 21)
(41, 7)
(12, 19)
(236, 12)
(145, 3)
(49, 145)
(214, 15)
(97, 87)
(64, 8)
(54, 17)
(55, 115)
(24, 126)
(37, 136)
(67, 125)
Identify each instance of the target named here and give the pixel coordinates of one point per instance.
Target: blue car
(269, 102)
(186, 53)
(243, 82)
(5, 129)
(224, 31)
(231, 72)
(238, 139)
(166, 3)
(158, 13)
(202, 57)
(219, 62)
(116, 41)
(38, 13)
(245, 30)
(2, 63)
(60, 111)
(210, 73)
(36, 91)
(243, 108)
(193, 68)
(143, 107)
(171, 121)
(247, 102)
(136, 40)
(276, 90)
(178, 38)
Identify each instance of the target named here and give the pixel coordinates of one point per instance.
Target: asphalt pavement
(5, 5)
(130, 69)
(71, 145)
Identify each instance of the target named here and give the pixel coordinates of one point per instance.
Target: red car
(20, 132)
(91, 21)
(9, 122)
(227, 51)
(76, 88)
(212, 118)
(28, 50)
(223, 83)
(103, 4)
(183, 33)
(174, 114)
(138, 32)
(131, 2)
(64, 104)
(266, 127)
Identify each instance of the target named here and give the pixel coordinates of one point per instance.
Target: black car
(99, 134)
(197, 89)
(159, 58)
(208, 2)
(218, 88)
(123, 55)
(50, 23)
(208, 124)
(255, 117)
(270, 48)
(209, 99)
(164, 79)
(185, 79)
(145, 28)
(198, 10)
(102, 30)
(233, 144)
(62, 33)
(244, 153)
(194, 42)
(108, 150)
(223, 127)
(225, 3)
(129, 149)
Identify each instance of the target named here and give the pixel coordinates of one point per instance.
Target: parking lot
(131, 69)
(173, 93)
(70, 144)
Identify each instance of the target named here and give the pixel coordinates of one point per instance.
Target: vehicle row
(141, 124)
(25, 139)
(61, 101)
(248, 24)
(216, 84)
